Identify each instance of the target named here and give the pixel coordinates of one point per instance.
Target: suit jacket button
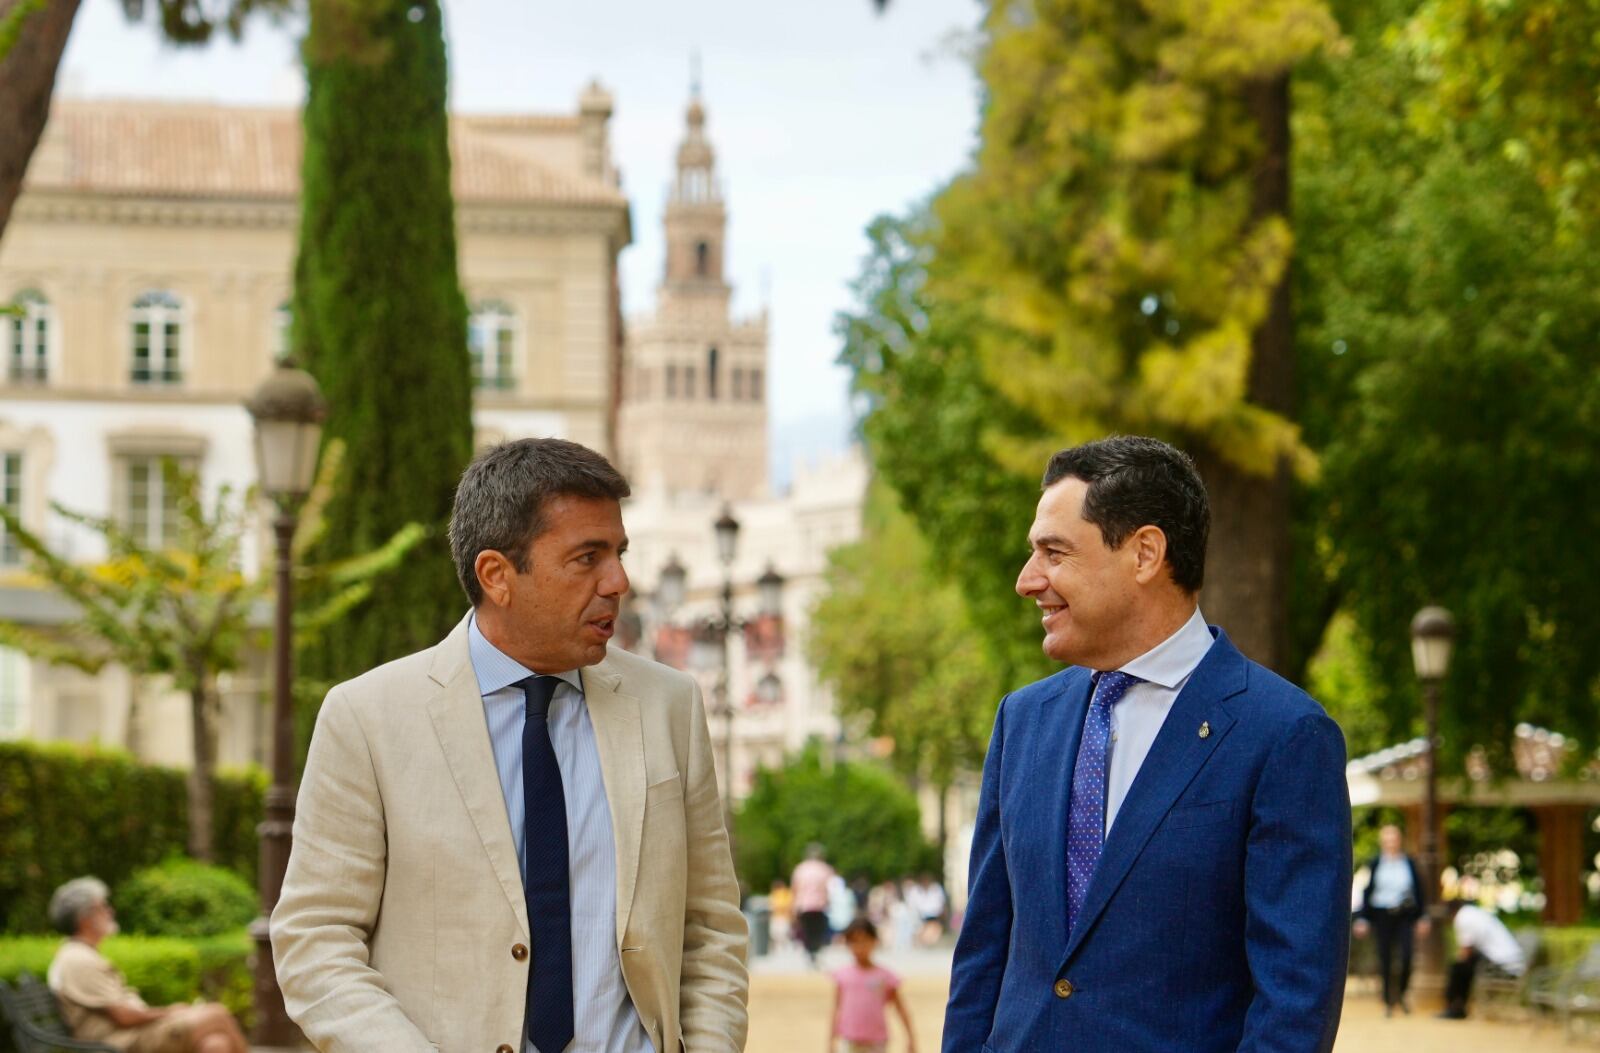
(1064, 988)
(518, 951)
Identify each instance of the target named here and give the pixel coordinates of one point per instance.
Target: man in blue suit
(1162, 854)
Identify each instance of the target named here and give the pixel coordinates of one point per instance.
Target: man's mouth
(604, 626)
(1048, 611)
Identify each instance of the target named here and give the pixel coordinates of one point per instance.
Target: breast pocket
(1207, 814)
(667, 791)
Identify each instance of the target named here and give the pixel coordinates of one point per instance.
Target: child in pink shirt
(863, 990)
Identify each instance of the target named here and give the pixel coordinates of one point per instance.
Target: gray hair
(70, 902)
(501, 499)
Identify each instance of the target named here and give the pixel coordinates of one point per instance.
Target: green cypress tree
(379, 315)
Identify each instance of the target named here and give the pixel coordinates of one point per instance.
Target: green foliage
(379, 317)
(1107, 237)
(913, 360)
(164, 970)
(900, 651)
(67, 811)
(1340, 676)
(1523, 72)
(865, 819)
(182, 897)
(1448, 362)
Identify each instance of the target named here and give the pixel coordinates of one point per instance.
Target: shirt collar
(1170, 662)
(497, 670)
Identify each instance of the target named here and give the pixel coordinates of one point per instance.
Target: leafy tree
(184, 609)
(1450, 359)
(915, 367)
(33, 37)
(901, 652)
(865, 819)
(379, 315)
(1122, 241)
(1525, 71)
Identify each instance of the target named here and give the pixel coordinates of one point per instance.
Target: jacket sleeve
(714, 986)
(1297, 892)
(982, 950)
(330, 899)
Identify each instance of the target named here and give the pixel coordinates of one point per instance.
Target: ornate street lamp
(727, 531)
(1433, 633)
(672, 587)
(770, 587)
(288, 409)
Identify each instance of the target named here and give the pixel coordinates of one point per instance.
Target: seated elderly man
(96, 1001)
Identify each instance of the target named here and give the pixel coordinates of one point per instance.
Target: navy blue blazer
(1218, 917)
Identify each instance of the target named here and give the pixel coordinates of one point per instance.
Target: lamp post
(1433, 633)
(710, 648)
(288, 409)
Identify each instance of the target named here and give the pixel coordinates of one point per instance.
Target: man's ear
(494, 573)
(1149, 553)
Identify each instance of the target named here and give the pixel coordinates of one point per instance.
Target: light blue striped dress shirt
(603, 1014)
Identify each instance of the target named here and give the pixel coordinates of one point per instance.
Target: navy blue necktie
(546, 885)
(1086, 812)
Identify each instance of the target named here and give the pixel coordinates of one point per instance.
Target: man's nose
(1029, 579)
(616, 583)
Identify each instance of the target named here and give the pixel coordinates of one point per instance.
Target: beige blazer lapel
(456, 709)
(619, 737)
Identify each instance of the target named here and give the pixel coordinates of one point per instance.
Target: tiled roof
(165, 149)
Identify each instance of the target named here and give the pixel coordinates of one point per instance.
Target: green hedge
(66, 811)
(163, 969)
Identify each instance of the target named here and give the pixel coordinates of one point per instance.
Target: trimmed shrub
(67, 811)
(182, 897)
(865, 818)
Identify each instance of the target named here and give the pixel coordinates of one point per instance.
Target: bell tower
(694, 408)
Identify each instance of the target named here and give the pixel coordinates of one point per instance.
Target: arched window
(29, 339)
(711, 373)
(755, 384)
(282, 331)
(738, 384)
(490, 338)
(672, 382)
(157, 339)
(702, 259)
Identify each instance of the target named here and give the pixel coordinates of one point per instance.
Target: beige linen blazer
(402, 928)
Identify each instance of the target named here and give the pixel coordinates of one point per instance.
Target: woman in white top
(1393, 910)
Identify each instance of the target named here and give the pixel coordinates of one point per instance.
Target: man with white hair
(96, 1002)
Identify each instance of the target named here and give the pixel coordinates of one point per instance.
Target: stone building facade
(152, 251)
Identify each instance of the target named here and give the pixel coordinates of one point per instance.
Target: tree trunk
(27, 80)
(203, 708)
(1247, 563)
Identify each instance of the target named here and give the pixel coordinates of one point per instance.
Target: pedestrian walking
(1394, 912)
(810, 885)
(863, 993)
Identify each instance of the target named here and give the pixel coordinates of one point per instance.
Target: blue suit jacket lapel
(1174, 759)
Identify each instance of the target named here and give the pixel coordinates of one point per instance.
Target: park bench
(1570, 992)
(31, 1011)
(1498, 990)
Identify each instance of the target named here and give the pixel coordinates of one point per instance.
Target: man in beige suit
(513, 842)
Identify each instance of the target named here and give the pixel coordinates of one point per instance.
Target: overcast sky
(823, 114)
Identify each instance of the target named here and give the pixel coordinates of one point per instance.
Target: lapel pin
(1205, 729)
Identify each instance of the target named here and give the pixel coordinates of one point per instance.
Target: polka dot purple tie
(1086, 814)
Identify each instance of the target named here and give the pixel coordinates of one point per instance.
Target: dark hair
(862, 926)
(1135, 482)
(501, 499)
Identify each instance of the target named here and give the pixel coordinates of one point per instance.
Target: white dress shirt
(1488, 935)
(1136, 720)
(604, 1018)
